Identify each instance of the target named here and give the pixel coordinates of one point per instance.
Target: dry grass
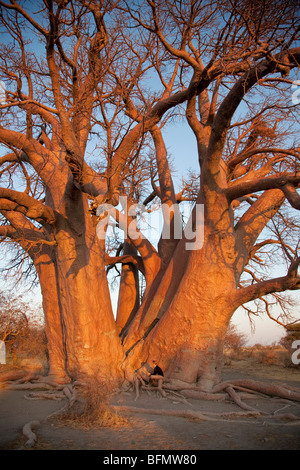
(271, 354)
(92, 409)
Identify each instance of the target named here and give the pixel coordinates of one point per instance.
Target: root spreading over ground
(88, 405)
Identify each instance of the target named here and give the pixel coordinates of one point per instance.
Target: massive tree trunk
(188, 338)
(92, 345)
(129, 295)
(45, 266)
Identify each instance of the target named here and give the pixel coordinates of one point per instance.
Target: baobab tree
(90, 89)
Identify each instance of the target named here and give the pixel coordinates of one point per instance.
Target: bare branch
(125, 259)
(229, 105)
(15, 6)
(23, 202)
(292, 196)
(270, 182)
(257, 290)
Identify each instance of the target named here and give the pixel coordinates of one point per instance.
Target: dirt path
(155, 432)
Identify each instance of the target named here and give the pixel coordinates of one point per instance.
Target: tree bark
(187, 341)
(128, 300)
(91, 337)
(46, 271)
(188, 338)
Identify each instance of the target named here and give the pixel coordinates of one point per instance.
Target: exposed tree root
(178, 397)
(29, 386)
(70, 393)
(17, 376)
(209, 416)
(191, 414)
(26, 380)
(43, 396)
(262, 387)
(244, 385)
(12, 375)
(27, 431)
(236, 390)
(197, 395)
(237, 399)
(156, 389)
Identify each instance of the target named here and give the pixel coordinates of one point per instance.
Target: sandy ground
(151, 432)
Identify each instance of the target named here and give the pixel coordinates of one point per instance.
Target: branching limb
(125, 259)
(259, 289)
(31, 151)
(258, 151)
(229, 105)
(22, 202)
(26, 237)
(292, 196)
(269, 182)
(151, 259)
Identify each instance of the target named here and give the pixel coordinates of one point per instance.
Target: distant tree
(234, 339)
(13, 320)
(21, 327)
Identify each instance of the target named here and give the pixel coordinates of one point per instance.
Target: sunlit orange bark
(52, 314)
(129, 295)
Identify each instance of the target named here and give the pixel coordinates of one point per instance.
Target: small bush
(233, 344)
(22, 330)
(92, 409)
(272, 355)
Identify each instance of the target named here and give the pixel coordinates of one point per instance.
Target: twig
(283, 408)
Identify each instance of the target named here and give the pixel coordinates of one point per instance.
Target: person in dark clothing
(158, 371)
